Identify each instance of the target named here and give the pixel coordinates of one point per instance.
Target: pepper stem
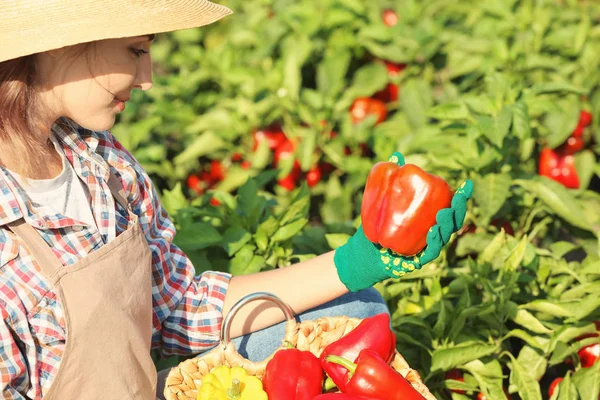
(235, 392)
(349, 365)
(288, 344)
(328, 384)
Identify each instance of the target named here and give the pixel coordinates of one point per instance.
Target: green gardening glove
(361, 263)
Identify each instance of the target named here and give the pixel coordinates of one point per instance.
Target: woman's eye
(139, 52)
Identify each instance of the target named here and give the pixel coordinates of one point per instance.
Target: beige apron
(107, 302)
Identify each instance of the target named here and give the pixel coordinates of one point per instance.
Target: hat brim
(36, 26)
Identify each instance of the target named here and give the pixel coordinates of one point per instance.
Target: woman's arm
(303, 286)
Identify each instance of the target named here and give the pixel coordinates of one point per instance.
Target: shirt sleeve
(187, 307)
(13, 372)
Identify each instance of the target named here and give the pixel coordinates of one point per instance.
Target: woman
(90, 279)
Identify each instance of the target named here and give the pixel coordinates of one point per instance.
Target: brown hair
(23, 128)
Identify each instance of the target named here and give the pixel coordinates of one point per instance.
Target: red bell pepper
(273, 135)
(589, 355)
(390, 92)
(372, 333)
(389, 17)
(372, 376)
(341, 396)
(456, 375)
(400, 204)
(293, 374)
(553, 386)
(559, 167)
(364, 107)
(585, 118)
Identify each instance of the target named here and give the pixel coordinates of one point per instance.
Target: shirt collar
(15, 204)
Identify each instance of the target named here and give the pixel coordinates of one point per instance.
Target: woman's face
(87, 93)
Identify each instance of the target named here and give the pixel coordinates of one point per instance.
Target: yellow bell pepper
(224, 383)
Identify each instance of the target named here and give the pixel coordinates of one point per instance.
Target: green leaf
(197, 235)
(534, 359)
(449, 111)
(525, 318)
(561, 122)
(446, 359)
(287, 231)
(558, 198)
(369, 79)
(548, 307)
(332, 70)
(521, 125)
(557, 87)
(587, 382)
(241, 261)
(586, 307)
(247, 198)
(529, 388)
(584, 165)
(490, 192)
(521, 334)
(206, 143)
(566, 389)
(495, 246)
(234, 239)
(173, 200)
(496, 129)
(415, 100)
(517, 254)
(335, 240)
(270, 225)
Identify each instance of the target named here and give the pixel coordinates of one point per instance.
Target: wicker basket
(183, 380)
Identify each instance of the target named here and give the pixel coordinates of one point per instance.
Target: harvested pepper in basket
(224, 383)
(400, 205)
(293, 374)
(372, 333)
(372, 376)
(341, 396)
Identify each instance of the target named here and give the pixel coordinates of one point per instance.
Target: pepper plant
(504, 93)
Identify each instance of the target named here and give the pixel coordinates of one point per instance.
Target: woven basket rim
(181, 382)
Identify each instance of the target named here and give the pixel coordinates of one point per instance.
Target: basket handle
(226, 327)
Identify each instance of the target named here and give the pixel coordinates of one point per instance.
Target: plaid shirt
(187, 309)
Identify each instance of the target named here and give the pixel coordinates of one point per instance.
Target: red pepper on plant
(585, 118)
(341, 396)
(589, 355)
(372, 376)
(245, 164)
(293, 374)
(390, 92)
(371, 333)
(313, 176)
(553, 386)
(364, 107)
(482, 396)
(273, 135)
(389, 17)
(400, 204)
(456, 375)
(571, 146)
(285, 151)
(217, 173)
(558, 167)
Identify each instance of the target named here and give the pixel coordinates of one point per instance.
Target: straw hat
(33, 26)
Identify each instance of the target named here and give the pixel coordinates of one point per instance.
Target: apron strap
(47, 260)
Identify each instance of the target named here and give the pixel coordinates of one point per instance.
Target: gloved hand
(361, 263)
